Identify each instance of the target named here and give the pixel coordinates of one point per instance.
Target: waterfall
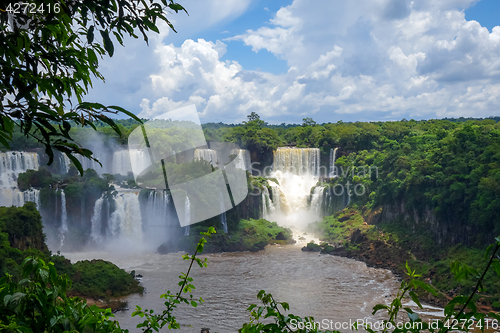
(160, 221)
(335, 201)
(208, 155)
(333, 172)
(187, 214)
(64, 213)
(13, 163)
(317, 201)
(297, 161)
(91, 164)
(96, 221)
(126, 220)
(123, 160)
(157, 210)
(108, 209)
(243, 159)
(223, 219)
(279, 199)
(64, 162)
(265, 202)
(63, 229)
(32, 195)
(296, 200)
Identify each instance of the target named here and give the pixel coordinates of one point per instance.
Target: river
(323, 286)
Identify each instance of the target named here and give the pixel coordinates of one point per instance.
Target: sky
(331, 60)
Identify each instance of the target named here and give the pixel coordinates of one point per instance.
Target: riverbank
(388, 245)
(114, 304)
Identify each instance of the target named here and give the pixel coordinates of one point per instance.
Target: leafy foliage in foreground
(38, 303)
(21, 235)
(49, 57)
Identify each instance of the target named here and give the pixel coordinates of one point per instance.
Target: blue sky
(361, 60)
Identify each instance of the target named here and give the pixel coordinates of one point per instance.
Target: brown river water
(331, 289)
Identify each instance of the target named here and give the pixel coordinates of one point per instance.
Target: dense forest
(448, 168)
(424, 192)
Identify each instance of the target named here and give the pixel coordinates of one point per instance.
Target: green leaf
(150, 25)
(415, 299)
(426, 287)
(77, 163)
(176, 7)
(128, 113)
(90, 35)
(108, 44)
(379, 307)
(251, 307)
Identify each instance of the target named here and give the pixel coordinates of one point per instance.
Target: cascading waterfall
(223, 219)
(64, 162)
(335, 198)
(243, 159)
(63, 228)
(157, 211)
(13, 163)
(64, 213)
(108, 209)
(208, 155)
(297, 171)
(187, 214)
(298, 161)
(333, 172)
(91, 164)
(96, 222)
(123, 159)
(126, 221)
(266, 200)
(280, 199)
(32, 195)
(317, 201)
(121, 162)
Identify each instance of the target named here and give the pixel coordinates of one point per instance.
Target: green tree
(308, 121)
(254, 121)
(49, 55)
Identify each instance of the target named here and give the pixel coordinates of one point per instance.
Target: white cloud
(127, 73)
(394, 58)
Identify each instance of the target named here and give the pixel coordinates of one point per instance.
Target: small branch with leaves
(155, 322)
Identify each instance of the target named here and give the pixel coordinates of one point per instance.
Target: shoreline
(430, 300)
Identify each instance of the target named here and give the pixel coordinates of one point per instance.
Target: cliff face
(444, 230)
(250, 208)
(23, 225)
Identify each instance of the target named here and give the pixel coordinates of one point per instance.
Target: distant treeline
(448, 167)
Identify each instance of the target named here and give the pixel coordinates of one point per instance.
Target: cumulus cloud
(383, 59)
(127, 73)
